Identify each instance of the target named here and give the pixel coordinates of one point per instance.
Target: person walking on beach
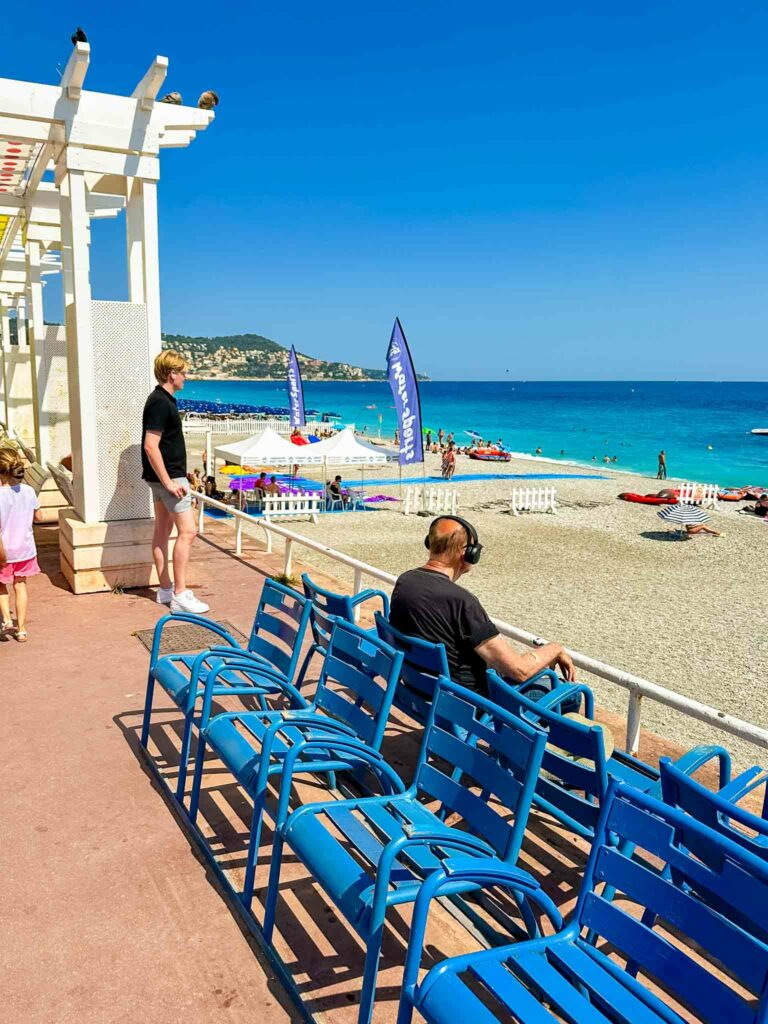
(19, 509)
(440, 436)
(428, 603)
(449, 462)
(164, 465)
(662, 473)
(429, 439)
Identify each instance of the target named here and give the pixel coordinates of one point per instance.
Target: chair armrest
(264, 666)
(741, 785)
(565, 691)
(369, 594)
(196, 620)
(358, 754)
(484, 872)
(696, 758)
(217, 669)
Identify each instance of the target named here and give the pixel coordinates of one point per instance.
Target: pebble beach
(604, 577)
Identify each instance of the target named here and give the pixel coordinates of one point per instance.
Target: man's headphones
(474, 548)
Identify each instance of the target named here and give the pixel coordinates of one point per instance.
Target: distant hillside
(251, 355)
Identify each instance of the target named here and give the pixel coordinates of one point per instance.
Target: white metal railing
(638, 689)
(230, 425)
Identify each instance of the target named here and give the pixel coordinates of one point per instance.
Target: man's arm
(497, 653)
(152, 448)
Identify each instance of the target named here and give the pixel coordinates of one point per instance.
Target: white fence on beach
(533, 499)
(437, 500)
(638, 689)
(699, 494)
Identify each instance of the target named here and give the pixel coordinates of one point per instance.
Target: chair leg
(194, 800)
(147, 709)
(305, 666)
(254, 841)
(370, 974)
(273, 887)
(186, 743)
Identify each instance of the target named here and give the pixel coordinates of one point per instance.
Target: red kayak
(647, 499)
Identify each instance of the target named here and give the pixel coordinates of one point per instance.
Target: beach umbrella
(683, 515)
(472, 433)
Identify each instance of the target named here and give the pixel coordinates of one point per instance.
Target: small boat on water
(489, 455)
(760, 430)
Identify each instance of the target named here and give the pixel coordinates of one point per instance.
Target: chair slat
(481, 818)
(343, 710)
(363, 840)
(459, 1003)
(546, 980)
(485, 770)
(510, 990)
(352, 678)
(693, 983)
(738, 951)
(604, 988)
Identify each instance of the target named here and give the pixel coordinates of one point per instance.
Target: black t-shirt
(428, 605)
(161, 414)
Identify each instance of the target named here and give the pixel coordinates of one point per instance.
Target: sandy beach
(604, 577)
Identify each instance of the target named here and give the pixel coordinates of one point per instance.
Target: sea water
(704, 427)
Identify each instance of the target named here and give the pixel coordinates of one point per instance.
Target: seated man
(336, 491)
(428, 603)
(272, 487)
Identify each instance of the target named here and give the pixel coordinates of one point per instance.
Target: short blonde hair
(11, 464)
(167, 362)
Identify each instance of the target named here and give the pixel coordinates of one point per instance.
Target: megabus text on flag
(295, 390)
(405, 390)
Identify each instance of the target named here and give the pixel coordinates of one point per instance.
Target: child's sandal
(6, 631)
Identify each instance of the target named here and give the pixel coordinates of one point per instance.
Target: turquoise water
(631, 420)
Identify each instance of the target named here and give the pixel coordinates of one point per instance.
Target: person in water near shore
(662, 473)
(428, 603)
(538, 451)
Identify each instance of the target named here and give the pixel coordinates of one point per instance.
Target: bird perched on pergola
(78, 36)
(208, 100)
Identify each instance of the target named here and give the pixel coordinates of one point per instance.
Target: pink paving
(108, 912)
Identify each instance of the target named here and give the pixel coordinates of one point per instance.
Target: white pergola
(67, 156)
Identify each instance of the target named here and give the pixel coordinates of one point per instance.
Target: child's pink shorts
(18, 570)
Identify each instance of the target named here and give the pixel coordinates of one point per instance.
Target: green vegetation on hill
(251, 355)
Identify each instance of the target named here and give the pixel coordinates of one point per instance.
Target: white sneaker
(187, 602)
(164, 596)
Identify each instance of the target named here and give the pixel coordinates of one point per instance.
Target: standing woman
(19, 509)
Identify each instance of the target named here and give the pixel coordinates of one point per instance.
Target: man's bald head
(447, 539)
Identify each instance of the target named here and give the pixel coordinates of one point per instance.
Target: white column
(35, 335)
(143, 254)
(5, 341)
(21, 324)
(82, 371)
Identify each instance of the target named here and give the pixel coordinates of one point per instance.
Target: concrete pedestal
(101, 556)
(51, 501)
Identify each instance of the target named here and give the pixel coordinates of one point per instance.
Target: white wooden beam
(148, 88)
(75, 71)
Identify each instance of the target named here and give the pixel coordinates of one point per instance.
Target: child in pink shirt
(19, 508)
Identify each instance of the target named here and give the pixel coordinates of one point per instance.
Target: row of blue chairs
(478, 755)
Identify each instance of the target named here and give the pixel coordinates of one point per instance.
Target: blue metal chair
(269, 660)
(423, 665)
(393, 843)
(575, 768)
(566, 977)
(720, 810)
(351, 704)
(326, 607)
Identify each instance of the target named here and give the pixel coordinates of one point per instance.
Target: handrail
(637, 687)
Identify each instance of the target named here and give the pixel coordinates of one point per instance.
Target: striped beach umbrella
(683, 515)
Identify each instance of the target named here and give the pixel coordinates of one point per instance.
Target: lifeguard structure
(67, 156)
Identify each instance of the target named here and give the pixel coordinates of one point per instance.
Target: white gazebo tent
(344, 449)
(266, 447)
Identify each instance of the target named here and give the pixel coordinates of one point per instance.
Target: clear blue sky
(562, 190)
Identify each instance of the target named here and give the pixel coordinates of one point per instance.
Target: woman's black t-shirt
(429, 605)
(162, 414)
